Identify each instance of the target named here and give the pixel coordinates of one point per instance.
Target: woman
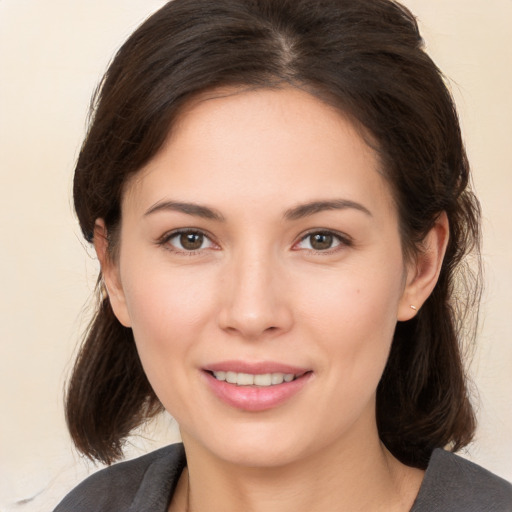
(277, 192)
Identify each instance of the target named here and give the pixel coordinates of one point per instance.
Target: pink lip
(255, 398)
(254, 367)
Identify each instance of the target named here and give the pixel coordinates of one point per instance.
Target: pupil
(191, 241)
(321, 241)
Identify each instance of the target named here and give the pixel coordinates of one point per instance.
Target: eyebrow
(295, 213)
(194, 209)
(308, 209)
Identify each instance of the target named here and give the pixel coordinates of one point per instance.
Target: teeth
(263, 380)
(220, 375)
(244, 379)
(277, 378)
(247, 379)
(231, 377)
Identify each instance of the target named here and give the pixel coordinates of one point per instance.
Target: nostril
(250, 315)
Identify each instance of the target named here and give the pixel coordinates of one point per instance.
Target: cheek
(359, 298)
(354, 331)
(168, 317)
(169, 311)
(353, 317)
(167, 300)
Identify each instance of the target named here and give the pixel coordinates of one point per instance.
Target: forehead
(249, 144)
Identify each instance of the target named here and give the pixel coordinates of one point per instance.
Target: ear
(110, 273)
(423, 272)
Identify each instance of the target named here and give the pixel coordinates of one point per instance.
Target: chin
(256, 445)
(260, 456)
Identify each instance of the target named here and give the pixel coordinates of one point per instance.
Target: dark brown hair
(364, 56)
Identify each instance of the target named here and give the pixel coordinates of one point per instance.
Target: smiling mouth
(248, 379)
(258, 386)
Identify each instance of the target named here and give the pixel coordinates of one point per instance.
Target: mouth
(260, 379)
(256, 387)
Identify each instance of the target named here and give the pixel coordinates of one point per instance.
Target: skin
(260, 288)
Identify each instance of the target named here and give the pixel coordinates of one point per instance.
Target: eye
(322, 241)
(188, 241)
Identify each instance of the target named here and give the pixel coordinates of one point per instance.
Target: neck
(349, 477)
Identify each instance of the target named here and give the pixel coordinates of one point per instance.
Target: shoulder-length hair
(366, 58)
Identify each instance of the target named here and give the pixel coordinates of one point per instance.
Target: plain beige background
(52, 54)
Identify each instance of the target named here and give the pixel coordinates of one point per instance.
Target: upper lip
(255, 368)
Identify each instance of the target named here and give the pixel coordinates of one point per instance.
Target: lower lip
(255, 398)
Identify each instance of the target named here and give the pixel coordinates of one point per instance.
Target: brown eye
(191, 241)
(188, 241)
(321, 241)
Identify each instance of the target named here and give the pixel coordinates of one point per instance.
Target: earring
(103, 291)
(413, 307)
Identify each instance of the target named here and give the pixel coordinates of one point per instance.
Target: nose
(255, 300)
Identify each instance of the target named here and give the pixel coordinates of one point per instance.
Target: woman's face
(262, 245)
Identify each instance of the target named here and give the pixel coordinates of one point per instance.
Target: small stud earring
(103, 291)
(413, 307)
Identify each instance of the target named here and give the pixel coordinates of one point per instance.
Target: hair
(366, 57)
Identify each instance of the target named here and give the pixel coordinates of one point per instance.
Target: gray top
(146, 484)
(454, 484)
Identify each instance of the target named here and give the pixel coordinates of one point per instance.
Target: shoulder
(145, 483)
(454, 484)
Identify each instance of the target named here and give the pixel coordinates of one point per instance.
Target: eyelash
(164, 241)
(341, 239)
